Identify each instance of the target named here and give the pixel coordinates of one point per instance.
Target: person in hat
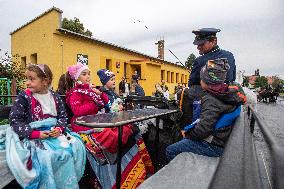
(82, 98)
(107, 79)
(206, 42)
(137, 154)
(208, 134)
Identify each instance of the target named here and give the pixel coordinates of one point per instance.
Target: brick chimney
(161, 52)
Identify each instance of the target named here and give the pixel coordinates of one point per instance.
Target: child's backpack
(226, 119)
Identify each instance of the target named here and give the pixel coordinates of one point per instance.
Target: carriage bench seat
(5, 174)
(186, 170)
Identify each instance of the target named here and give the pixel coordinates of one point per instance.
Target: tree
(260, 82)
(189, 61)
(11, 68)
(276, 81)
(76, 26)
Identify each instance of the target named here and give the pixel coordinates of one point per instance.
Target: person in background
(127, 89)
(178, 88)
(123, 88)
(166, 93)
(135, 76)
(137, 89)
(163, 85)
(65, 83)
(159, 91)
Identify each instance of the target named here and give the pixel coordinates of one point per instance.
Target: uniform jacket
(213, 106)
(215, 53)
(22, 113)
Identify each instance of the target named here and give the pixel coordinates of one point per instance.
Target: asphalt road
(273, 116)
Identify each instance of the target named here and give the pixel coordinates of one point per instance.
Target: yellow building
(42, 40)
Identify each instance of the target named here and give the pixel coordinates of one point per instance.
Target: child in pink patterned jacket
(83, 99)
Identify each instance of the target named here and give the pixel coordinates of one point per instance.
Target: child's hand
(98, 92)
(44, 134)
(183, 133)
(120, 107)
(54, 133)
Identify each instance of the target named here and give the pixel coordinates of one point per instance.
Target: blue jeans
(198, 147)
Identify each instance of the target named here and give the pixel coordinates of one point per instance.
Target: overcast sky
(253, 30)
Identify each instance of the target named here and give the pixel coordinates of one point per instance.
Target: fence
(240, 166)
(5, 89)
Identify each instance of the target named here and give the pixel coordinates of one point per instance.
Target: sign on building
(82, 59)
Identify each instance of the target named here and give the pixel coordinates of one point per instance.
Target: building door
(125, 69)
(108, 64)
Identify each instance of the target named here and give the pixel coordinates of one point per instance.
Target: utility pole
(62, 67)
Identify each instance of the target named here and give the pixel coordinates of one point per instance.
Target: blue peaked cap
(202, 35)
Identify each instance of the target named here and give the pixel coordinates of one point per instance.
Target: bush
(11, 68)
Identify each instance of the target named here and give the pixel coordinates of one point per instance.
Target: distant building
(269, 80)
(253, 78)
(43, 40)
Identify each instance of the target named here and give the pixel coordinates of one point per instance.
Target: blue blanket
(56, 162)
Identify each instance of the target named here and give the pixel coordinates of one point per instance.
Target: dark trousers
(198, 147)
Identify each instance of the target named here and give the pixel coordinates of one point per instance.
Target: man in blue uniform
(206, 42)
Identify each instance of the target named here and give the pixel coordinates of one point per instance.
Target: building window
(34, 58)
(168, 76)
(124, 69)
(172, 77)
(24, 61)
(108, 64)
(182, 78)
(177, 77)
(162, 75)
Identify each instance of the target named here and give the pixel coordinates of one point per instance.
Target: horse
(263, 95)
(268, 96)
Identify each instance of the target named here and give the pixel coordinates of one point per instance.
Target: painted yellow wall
(174, 69)
(36, 37)
(60, 50)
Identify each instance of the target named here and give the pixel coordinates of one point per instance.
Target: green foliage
(11, 68)
(261, 82)
(277, 81)
(76, 26)
(189, 61)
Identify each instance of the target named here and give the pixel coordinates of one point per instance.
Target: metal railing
(276, 151)
(240, 166)
(5, 89)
